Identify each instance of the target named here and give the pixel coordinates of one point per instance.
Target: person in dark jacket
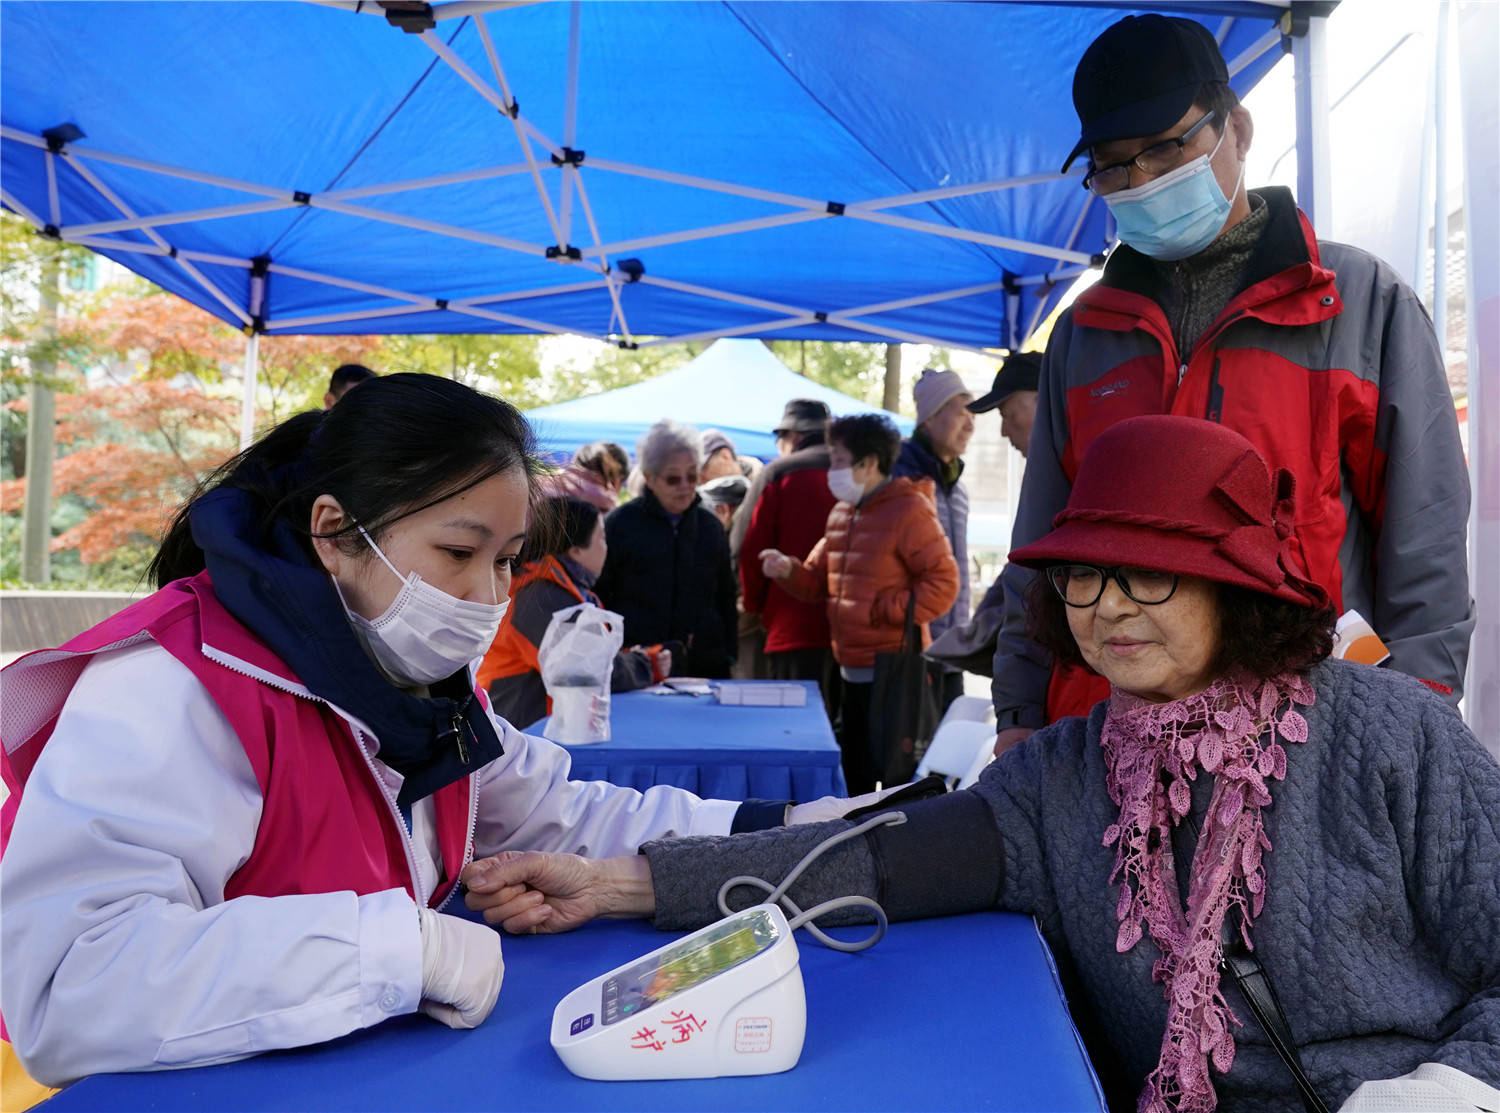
(791, 507)
(935, 451)
(561, 575)
(667, 573)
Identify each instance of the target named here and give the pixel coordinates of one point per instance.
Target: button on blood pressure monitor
(724, 1000)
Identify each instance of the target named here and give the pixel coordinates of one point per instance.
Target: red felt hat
(1183, 495)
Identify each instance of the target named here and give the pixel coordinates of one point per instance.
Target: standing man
(1014, 394)
(935, 451)
(344, 377)
(1219, 303)
(787, 510)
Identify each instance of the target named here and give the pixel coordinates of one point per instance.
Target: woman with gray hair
(668, 572)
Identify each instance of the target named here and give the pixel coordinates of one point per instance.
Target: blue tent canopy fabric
(737, 386)
(816, 170)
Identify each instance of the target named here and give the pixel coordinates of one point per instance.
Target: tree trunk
(891, 400)
(41, 427)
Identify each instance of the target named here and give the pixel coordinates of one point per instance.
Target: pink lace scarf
(1153, 751)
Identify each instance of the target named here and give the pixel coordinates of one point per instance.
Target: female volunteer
(1236, 783)
(561, 576)
(245, 800)
(883, 552)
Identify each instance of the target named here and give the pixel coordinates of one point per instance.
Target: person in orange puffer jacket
(883, 549)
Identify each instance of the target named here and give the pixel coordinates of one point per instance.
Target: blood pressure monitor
(725, 1000)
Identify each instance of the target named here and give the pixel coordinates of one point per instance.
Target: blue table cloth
(960, 1012)
(720, 752)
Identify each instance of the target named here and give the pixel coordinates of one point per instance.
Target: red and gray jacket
(1328, 364)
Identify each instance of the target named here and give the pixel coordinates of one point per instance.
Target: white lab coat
(120, 950)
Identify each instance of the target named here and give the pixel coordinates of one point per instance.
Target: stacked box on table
(762, 694)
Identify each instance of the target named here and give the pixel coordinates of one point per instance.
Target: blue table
(719, 752)
(962, 1012)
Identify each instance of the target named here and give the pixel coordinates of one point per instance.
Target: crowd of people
(267, 781)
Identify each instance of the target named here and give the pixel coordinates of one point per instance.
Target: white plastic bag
(577, 658)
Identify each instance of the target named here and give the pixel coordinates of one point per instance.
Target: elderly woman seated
(1239, 800)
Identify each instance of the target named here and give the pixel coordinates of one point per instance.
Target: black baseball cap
(1139, 77)
(1019, 372)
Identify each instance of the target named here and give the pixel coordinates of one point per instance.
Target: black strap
(1242, 964)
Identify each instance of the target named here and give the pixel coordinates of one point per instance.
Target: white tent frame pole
(16, 206)
(456, 9)
(83, 171)
(53, 207)
(690, 235)
(1310, 87)
(144, 164)
(247, 399)
(718, 295)
(570, 124)
(135, 247)
(524, 295)
(740, 330)
(157, 220)
(291, 324)
(923, 299)
(457, 178)
(1041, 302)
(899, 334)
(1440, 184)
(993, 186)
(611, 283)
(433, 226)
(528, 323)
(1269, 41)
(948, 232)
(521, 137)
(710, 185)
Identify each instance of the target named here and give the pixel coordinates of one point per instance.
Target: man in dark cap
(1014, 395)
(1219, 303)
(786, 509)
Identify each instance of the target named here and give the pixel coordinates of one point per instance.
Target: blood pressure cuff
(758, 815)
(946, 858)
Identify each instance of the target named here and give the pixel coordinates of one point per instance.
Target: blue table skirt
(718, 752)
(960, 1012)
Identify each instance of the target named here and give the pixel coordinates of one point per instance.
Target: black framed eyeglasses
(1081, 585)
(1155, 159)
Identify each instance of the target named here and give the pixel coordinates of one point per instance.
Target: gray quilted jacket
(1380, 932)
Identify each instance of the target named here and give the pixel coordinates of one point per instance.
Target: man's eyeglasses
(1155, 159)
(1081, 585)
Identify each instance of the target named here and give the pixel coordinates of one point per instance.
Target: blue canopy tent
(737, 386)
(838, 171)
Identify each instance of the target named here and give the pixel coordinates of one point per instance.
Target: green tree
(508, 366)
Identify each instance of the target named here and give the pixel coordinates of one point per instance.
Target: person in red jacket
(883, 550)
(788, 508)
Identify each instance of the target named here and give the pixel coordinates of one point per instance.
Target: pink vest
(327, 824)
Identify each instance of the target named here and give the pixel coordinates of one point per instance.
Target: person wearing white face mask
(241, 807)
(883, 550)
(1219, 303)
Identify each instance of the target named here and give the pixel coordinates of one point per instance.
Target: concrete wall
(43, 619)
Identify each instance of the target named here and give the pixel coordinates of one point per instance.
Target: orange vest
(511, 653)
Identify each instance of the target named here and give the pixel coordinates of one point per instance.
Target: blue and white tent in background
(737, 386)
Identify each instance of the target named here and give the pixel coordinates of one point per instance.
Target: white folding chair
(959, 752)
(977, 709)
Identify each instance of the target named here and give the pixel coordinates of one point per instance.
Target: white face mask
(844, 486)
(425, 634)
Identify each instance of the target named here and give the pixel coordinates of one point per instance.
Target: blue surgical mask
(1177, 214)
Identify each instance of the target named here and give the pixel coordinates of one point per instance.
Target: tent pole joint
(1096, 261)
(558, 251)
(60, 136)
(441, 303)
(630, 270)
(569, 157)
(627, 345)
(1295, 21)
(835, 208)
(412, 16)
(49, 232)
(301, 197)
(820, 317)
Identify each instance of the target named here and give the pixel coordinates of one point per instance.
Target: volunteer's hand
(1010, 736)
(461, 969)
(528, 891)
(664, 663)
(774, 564)
(834, 807)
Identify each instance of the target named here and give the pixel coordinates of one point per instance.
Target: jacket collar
(270, 585)
(919, 451)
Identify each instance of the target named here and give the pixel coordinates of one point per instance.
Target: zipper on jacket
(408, 842)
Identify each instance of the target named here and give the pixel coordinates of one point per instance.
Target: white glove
(774, 564)
(833, 807)
(1431, 1088)
(461, 969)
